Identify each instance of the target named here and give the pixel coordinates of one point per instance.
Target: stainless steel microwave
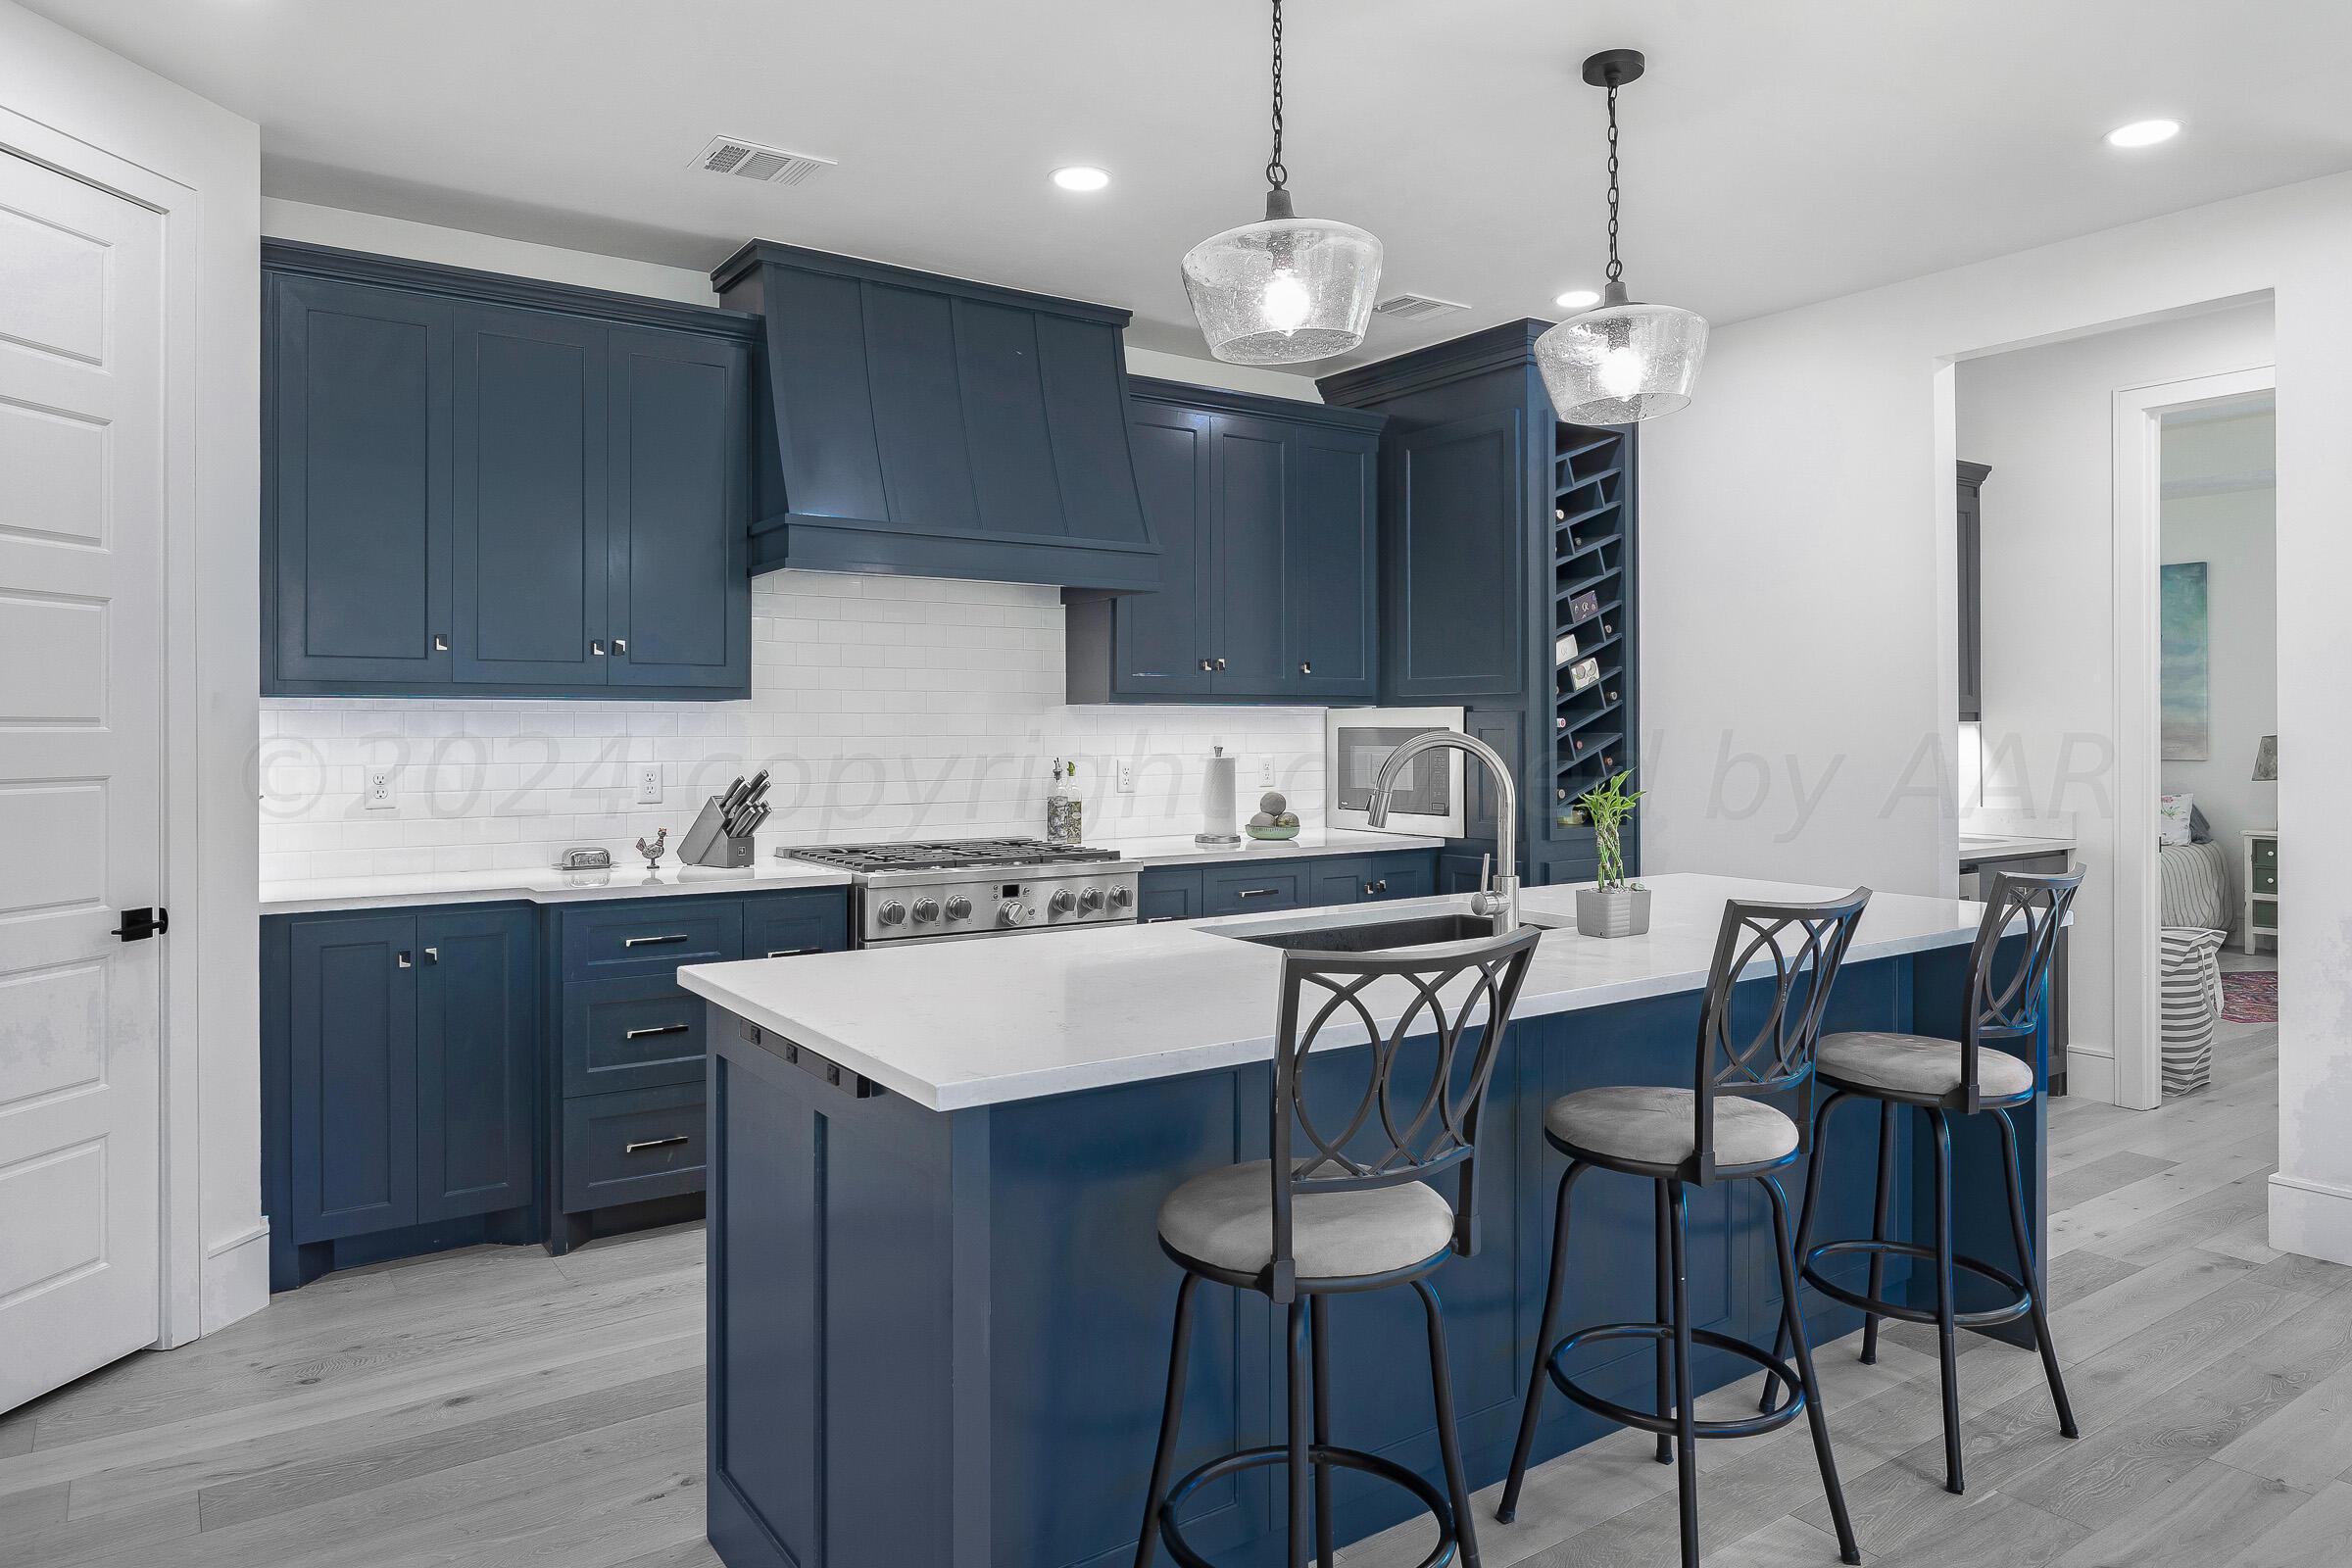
(1427, 800)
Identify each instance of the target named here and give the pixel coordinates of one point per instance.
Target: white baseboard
(235, 1282)
(2091, 1072)
(2313, 1219)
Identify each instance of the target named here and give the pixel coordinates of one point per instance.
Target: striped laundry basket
(2189, 1000)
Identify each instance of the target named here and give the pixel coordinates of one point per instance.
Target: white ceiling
(1777, 153)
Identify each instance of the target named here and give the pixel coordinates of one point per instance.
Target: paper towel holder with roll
(1219, 825)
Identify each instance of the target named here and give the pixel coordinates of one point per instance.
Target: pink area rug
(2250, 996)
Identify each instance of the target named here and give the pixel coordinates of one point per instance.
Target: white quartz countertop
(958, 1024)
(627, 879)
(549, 886)
(2001, 846)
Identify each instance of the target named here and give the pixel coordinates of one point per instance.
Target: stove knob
(1091, 900)
(893, 913)
(959, 907)
(926, 909)
(1063, 902)
(1009, 914)
(1121, 897)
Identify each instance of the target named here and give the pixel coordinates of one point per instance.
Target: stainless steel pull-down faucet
(1498, 897)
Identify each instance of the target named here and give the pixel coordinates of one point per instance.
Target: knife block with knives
(721, 836)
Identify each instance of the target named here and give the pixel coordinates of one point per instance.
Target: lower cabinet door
(1413, 877)
(629, 1147)
(477, 1047)
(1167, 894)
(351, 1076)
(1341, 881)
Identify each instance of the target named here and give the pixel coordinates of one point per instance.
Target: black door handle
(140, 924)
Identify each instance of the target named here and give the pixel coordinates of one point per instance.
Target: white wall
(2045, 418)
(2235, 533)
(220, 1272)
(1798, 564)
(884, 706)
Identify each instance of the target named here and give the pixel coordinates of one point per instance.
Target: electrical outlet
(648, 783)
(1265, 773)
(379, 792)
(1126, 776)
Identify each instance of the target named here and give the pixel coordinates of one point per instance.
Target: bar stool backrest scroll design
(1804, 944)
(2005, 991)
(1398, 1128)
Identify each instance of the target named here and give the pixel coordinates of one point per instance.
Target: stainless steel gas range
(961, 888)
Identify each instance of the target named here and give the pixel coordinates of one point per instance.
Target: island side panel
(849, 1386)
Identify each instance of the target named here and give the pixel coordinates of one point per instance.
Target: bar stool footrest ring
(2009, 1311)
(1171, 1533)
(1666, 1426)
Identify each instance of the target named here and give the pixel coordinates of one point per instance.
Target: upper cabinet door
(1252, 486)
(680, 583)
(1161, 640)
(1331, 592)
(1456, 614)
(530, 505)
(357, 431)
(478, 1043)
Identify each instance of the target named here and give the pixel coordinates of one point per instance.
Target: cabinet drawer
(1253, 890)
(631, 1032)
(626, 1148)
(655, 936)
(812, 922)
(2266, 877)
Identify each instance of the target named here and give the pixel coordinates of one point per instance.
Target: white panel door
(82, 557)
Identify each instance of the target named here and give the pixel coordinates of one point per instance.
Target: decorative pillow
(2173, 813)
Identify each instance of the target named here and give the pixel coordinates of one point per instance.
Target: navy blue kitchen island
(939, 1312)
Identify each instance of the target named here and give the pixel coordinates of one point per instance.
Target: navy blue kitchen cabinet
(1508, 559)
(486, 486)
(1266, 513)
(1275, 881)
(400, 1070)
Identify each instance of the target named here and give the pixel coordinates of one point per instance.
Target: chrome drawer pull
(666, 1029)
(644, 1144)
(790, 952)
(651, 941)
(1256, 893)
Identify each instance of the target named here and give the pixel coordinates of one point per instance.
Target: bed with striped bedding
(2194, 886)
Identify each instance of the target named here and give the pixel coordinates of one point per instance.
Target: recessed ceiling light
(1081, 177)
(2144, 133)
(1578, 299)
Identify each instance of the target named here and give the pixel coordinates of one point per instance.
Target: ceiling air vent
(770, 166)
(1414, 307)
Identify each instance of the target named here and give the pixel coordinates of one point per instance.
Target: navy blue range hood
(939, 427)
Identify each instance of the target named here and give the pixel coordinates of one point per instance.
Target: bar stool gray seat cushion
(1225, 1218)
(1917, 1064)
(1650, 1126)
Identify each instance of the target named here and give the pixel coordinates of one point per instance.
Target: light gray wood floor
(504, 1408)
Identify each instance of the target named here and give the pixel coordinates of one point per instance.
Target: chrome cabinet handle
(643, 1143)
(1256, 893)
(1306, 666)
(1220, 664)
(666, 1029)
(790, 952)
(1372, 888)
(620, 644)
(440, 643)
(1206, 667)
(433, 955)
(651, 942)
(597, 647)
(403, 961)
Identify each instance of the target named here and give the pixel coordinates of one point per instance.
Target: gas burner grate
(948, 854)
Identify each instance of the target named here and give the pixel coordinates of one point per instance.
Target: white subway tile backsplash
(882, 706)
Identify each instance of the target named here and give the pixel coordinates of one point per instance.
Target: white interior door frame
(180, 1309)
(2139, 412)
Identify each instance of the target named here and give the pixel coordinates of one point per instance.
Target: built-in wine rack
(1591, 728)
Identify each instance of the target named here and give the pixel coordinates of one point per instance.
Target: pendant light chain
(1276, 174)
(1616, 267)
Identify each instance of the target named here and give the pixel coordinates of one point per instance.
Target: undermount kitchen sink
(1377, 936)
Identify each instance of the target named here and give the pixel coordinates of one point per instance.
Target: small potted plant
(1615, 907)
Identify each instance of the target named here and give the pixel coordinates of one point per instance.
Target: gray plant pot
(1616, 913)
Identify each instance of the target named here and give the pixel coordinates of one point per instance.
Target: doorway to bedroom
(2217, 845)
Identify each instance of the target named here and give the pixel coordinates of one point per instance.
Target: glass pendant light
(1288, 289)
(1622, 361)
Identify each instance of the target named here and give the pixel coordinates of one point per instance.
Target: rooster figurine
(652, 851)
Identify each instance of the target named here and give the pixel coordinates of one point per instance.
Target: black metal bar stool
(1717, 1130)
(1942, 1077)
(1356, 1213)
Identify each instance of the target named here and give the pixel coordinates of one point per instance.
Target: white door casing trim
(180, 1307)
(2139, 772)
